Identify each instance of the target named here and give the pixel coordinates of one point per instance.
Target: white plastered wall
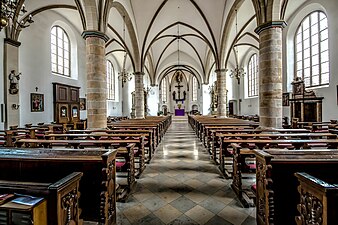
(330, 8)
(35, 65)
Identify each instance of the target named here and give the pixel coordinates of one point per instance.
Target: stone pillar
(221, 93)
(270, 74)
(139, 96)
(96, 79)
(11, 98)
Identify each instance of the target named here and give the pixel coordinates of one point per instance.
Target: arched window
(312, 50)
(164, 90)
(110, 81)
(60, 51)
(253, 76)
(194, 88)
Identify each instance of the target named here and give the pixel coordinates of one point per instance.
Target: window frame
(300, 31)
(253, 72)
(57, 54)
(164, 90)
(194, 88)
(110, 74)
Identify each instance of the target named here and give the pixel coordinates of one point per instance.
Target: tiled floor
(181, 185)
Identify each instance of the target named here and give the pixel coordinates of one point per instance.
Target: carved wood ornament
(310, 209)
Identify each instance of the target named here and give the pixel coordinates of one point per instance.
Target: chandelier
(237, 73)
(124, 76)
(9, 10)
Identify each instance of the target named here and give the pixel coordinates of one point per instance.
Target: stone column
(270, 74)
(96, 79)
(11, 98)
(221, 93)
(139, 96)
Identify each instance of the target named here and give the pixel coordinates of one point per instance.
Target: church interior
(168, 112)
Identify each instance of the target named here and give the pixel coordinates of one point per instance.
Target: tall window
(253, 76)
(164, 90)
(194, 88)
(312, 50)
(110, 81)
(60, 50)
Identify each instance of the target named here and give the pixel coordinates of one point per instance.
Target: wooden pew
(318, 200)
(149, 143)
(128, 149)
(273, 140)
(76, 144)
(97, 186)
(276, 185)
(207, 134)
(62, 196)
(216, 134)
(198, 123)
(125, 169)
(139, 149)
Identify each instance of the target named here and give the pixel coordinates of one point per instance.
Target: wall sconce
(15, 106)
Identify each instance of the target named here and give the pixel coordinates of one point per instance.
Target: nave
(181, 185)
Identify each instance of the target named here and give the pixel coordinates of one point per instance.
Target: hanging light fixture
(9, 10)
(124, 76)
(178, 74)
(237, 73)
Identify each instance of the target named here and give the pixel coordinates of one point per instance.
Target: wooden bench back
(97, 186)
(277, 195)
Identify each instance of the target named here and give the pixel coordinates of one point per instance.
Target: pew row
(265, 141)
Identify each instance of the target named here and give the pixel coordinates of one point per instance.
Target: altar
(179, 112)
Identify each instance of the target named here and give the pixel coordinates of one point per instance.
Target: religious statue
(184, 95)
(174, 95)
(13, 82)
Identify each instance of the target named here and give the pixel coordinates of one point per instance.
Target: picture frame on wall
(286, 97)
(82, 103)
(37, 102)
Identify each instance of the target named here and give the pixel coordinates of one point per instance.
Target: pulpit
(305, 105)
(179, 112)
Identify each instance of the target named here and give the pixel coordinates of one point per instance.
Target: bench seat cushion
(120, 164)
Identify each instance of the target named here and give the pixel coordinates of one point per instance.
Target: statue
(13, 82)
(174, 95)
(184, 95)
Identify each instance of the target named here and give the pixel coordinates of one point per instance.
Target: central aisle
(181, 185)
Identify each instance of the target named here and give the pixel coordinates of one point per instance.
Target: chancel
(169, 112)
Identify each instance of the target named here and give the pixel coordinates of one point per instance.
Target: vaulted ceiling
(163, 35)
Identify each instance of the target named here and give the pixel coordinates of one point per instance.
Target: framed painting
(37, 102)
(286, 97)
(82, 103)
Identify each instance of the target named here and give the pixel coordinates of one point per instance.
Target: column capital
(272, 24)
(12, 42)
(94, 33)
(139, 73)
(221, 70)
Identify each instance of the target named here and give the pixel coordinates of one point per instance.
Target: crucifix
(179, 90)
